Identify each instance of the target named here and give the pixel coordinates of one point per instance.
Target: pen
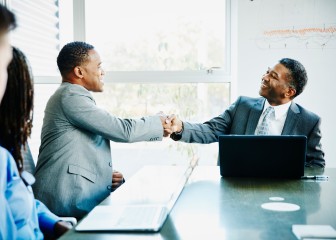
(316, 177)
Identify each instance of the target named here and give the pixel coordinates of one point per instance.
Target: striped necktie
(263, 128)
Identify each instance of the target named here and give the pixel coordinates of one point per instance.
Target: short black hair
(7, 20)
(297, 74)
(71, 55)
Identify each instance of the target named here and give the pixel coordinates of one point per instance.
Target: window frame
(211, 75)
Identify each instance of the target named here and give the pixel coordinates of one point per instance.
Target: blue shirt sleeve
(47, 219)
(7, 224)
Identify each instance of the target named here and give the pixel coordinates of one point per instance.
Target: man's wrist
(176, 136)
(181, 131)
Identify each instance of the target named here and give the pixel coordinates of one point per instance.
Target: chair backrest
(28, 161)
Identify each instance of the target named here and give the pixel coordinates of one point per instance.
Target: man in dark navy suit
(279, 86)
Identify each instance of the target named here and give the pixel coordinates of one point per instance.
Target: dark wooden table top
(211, 207)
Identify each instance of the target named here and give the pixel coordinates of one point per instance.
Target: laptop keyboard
(139, 215)
(128, 213)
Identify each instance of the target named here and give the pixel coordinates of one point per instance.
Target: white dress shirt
(276, 124)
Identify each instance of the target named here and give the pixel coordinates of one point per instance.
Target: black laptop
(262, 156)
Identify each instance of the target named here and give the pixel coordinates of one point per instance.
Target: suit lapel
(292, 119)
(254, 117)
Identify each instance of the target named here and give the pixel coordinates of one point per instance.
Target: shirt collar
(280, 110)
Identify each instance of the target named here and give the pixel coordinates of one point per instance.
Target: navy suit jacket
(242, 118)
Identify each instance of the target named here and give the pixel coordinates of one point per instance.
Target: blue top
(22, 217)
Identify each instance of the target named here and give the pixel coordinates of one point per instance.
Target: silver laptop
(262, 156)
(142, 203)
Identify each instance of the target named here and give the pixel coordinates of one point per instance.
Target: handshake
(170, 123)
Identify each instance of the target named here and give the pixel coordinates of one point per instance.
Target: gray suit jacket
(242, 118)
(74, 167)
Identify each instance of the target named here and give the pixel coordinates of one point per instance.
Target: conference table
(212, 207)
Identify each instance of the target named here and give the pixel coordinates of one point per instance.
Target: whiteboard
(296, 24)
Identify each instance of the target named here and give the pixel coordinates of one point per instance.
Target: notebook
(135, 208)
(262, 156)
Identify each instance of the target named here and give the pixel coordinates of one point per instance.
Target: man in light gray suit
(74, 167)
(279, 86)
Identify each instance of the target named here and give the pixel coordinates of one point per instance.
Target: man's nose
(265, 77)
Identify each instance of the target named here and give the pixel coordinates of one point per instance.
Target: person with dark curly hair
(7, 225)
(22, 217)
(74, 168)
(247, 116)
(16, 111)
(17, 108)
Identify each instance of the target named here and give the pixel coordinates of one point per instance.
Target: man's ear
(78, 72)
(290, 93)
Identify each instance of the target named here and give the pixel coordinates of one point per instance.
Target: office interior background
(191, 58)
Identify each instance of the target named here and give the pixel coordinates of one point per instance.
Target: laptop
(262, 156)
(142, 204)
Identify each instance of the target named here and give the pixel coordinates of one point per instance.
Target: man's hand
(117, 180)
(170, 123)
(166, 121)
(177, 125)
(61, 227)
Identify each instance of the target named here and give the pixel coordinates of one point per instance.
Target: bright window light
(152, 35)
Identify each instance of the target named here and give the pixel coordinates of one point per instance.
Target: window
(42, 93)
(151, 35)
(42, 29)
(162, 55)
(37, 34)
(182, 41)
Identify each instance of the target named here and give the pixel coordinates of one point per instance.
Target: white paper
(314, 231)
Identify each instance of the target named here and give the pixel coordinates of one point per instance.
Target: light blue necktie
(263, 128)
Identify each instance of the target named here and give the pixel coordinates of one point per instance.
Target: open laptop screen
(262, 156)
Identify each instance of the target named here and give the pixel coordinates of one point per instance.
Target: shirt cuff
(176, 136)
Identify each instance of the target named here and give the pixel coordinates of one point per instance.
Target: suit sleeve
(209, 131)
(315, 154)
(82, 112)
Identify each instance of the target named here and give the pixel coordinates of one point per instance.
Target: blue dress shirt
(22, 217)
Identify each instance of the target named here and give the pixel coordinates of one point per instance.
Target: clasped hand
(170, 123)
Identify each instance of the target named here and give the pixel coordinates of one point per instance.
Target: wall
(301, 29)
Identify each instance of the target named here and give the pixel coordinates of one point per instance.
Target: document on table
(314, 232)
